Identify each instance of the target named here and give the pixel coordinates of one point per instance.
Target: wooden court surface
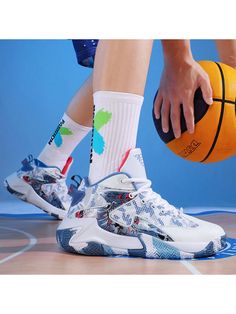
(30, 247)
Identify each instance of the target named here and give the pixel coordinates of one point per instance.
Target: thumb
(206, 90)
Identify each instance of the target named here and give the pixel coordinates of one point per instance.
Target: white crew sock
(63, 141)
(114, 131)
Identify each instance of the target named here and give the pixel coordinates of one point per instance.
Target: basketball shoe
(42, 186)
(122, 215)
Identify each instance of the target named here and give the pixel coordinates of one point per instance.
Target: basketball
(214, 138)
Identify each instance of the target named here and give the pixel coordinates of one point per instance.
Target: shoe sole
(26, 193)
(87, 238)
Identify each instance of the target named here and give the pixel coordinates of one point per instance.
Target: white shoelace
(155, 199)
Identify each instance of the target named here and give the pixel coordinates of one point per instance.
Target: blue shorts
(85, 50)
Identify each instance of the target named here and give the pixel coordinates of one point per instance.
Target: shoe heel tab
(26, 163)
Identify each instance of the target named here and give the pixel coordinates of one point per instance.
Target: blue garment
(85, 50)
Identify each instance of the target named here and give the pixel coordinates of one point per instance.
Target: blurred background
(37, 80)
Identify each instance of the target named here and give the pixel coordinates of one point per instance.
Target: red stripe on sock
(124, 159)
(67, 165)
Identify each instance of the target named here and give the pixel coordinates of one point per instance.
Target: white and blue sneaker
(121, 215)
(42, 186)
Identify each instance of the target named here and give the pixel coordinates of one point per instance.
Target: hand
(179, 81)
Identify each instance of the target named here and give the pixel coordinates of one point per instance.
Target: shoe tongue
(133, 164)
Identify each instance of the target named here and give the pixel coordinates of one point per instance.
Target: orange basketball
(214, 138)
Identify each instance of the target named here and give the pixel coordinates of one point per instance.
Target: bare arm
(227, 51)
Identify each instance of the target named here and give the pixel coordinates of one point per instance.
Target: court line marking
(191, 268)
(32, 242)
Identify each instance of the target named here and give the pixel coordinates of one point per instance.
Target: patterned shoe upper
(48, 182)
(127, 205)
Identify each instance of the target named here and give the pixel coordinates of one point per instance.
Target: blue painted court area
(229, 251)
(27, 216)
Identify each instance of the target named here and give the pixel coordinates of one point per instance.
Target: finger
(188, 109)
(157, 106)
(175, 119)
(206, 90)
(165, 116)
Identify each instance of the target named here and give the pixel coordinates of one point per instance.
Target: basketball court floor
(28, 246)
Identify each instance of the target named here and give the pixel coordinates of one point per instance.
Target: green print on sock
(58, 138)
(101, 118)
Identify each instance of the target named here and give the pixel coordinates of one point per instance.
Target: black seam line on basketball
(221, 113)
(226, 101)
